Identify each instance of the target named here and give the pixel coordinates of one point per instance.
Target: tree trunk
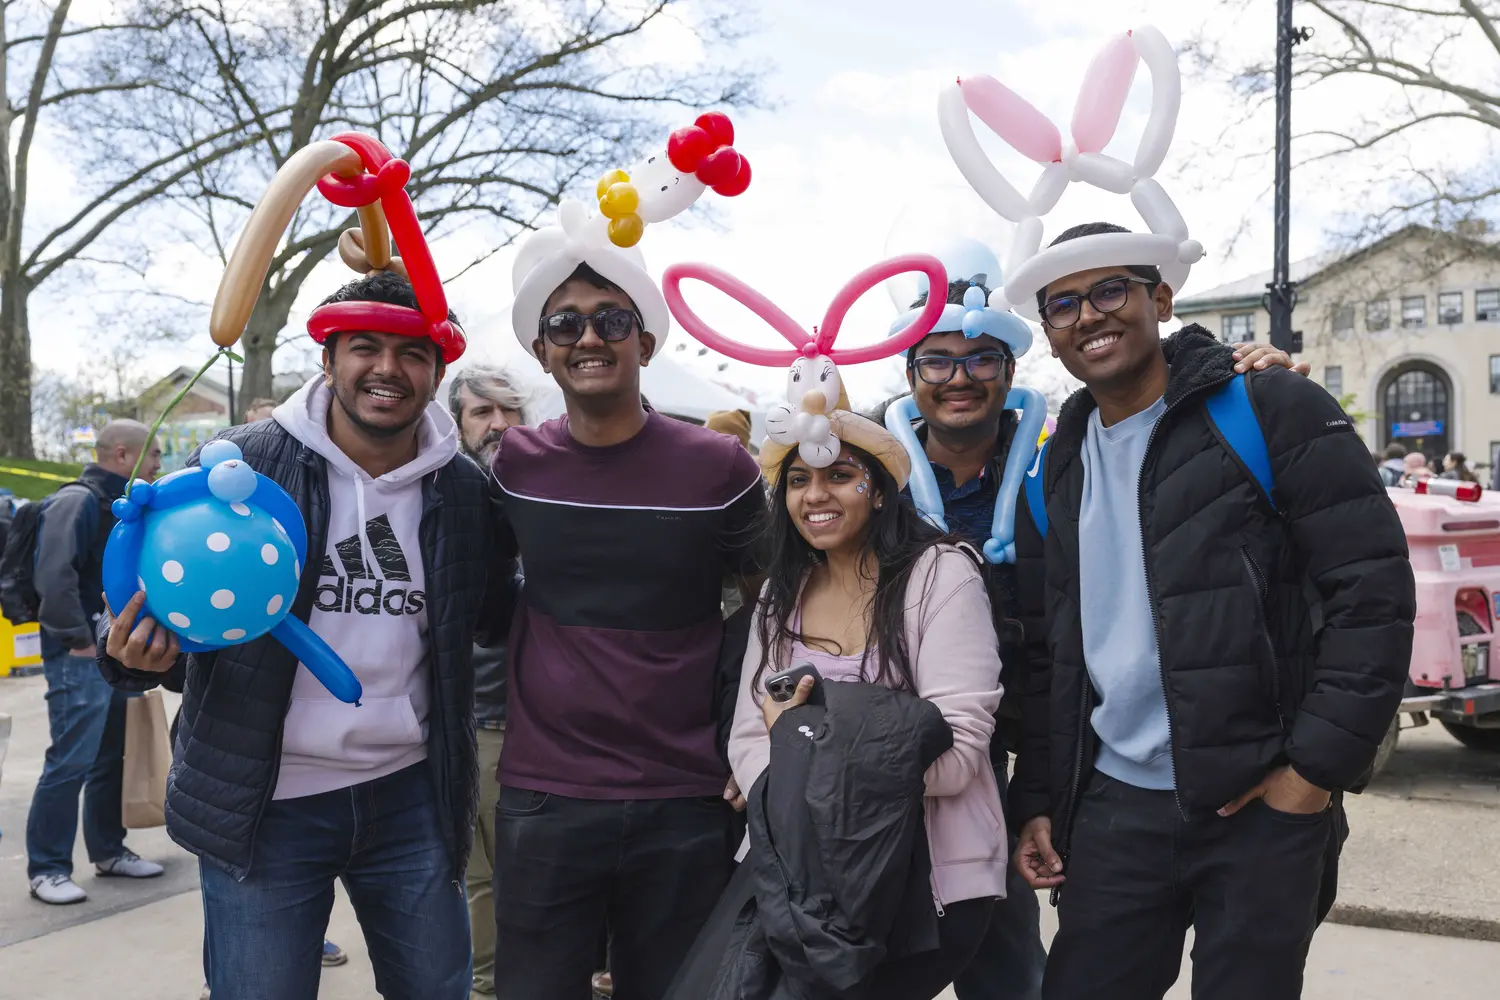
(15, 370)
(258, 346)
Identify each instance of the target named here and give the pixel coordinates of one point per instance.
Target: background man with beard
(1223, 671)
(279, 788)
(959, 382)
(485, 403)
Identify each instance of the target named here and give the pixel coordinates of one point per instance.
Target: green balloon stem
(171, 406)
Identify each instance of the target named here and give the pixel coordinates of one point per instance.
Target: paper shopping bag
(148, 757)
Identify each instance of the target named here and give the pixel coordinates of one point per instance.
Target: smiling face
(832, 508)
(594, 368)
(1104, 350)
(382, 381)
(664, 191)
(961, 404)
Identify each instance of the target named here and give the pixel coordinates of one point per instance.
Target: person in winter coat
(1456, 466)
(1393, 469)
(276, 786)
(1221, 669)
(863, 589)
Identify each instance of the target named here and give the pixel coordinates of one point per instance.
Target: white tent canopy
(672, 389)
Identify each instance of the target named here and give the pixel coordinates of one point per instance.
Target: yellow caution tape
(37, 475)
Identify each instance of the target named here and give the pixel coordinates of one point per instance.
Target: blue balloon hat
(972, 261)
(218, 551)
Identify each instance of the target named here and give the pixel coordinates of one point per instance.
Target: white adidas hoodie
(371, 608)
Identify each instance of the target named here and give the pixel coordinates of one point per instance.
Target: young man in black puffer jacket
(278, 788)
(1220, 670)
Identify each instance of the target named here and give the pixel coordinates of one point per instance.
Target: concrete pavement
(1420, 856)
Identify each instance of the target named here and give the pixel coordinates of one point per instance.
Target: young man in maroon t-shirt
(614, 805)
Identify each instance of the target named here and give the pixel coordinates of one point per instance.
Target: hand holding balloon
(217, 552)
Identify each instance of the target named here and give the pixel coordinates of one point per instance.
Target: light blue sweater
(1119, 635)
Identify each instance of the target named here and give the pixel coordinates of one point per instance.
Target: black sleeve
(503, 583)
(727, 676)
(1348, 536)
(1030, 793)
(122, 678)
(69, 522)
(742, 535)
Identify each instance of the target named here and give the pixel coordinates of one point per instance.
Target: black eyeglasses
(1107, 296)
(936, 369)
(566, 328)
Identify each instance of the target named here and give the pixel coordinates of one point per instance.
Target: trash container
(20, 649)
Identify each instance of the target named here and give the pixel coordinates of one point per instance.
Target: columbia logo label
(1337, 423)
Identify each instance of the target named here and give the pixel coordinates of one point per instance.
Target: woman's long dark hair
(897, 536)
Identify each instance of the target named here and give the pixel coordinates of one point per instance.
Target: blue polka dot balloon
(218, 551)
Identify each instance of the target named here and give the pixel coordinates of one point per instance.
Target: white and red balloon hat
(698, 158)
(1106, 84)
(816, 418)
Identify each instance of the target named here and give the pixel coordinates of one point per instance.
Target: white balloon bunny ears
(816, 419)
(1028, 268)
(654, 190)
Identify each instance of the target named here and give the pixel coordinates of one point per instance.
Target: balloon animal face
(216, 566)
(812, 391)
(664, 191)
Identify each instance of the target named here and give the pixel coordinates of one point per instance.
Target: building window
(1487, 305)
(1378, 315)
(1239, 328)
(1333, 380)
(1343, 319)
(1414, 311)
(1451, 308)
(1495, 373)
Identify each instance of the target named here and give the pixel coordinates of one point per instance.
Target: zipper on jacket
(1262, 591)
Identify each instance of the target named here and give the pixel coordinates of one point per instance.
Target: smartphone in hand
(782, 686)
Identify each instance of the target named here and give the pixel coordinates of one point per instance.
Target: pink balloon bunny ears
(822, 338)
(1096, 116)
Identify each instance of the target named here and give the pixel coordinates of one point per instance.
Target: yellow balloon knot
(626, 231)
(613, 177)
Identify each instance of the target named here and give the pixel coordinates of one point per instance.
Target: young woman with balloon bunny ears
(1193, 722)
(614, 803)
(362, 524)
(862, 588)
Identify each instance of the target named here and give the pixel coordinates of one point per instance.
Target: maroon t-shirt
(612, 656)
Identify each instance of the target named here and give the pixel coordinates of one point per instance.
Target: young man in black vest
(1222, 673)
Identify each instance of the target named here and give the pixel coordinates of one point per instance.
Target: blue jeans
(1010, 962)
(87, 755)
(383, 839)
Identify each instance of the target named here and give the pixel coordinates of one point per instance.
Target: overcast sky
(849, 164)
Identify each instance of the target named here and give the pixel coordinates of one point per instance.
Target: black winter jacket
(840, 864)
(1257, 674)
(228, 750)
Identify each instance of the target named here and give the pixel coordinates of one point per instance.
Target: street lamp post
(1281, 293)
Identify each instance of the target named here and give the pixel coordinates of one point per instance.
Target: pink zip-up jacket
(950, 637)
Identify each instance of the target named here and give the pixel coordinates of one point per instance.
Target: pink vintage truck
(1455, 554)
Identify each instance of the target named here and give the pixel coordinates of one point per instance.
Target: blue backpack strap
(1229, 409)
(1033, 486)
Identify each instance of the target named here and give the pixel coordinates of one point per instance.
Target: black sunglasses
(936, 369)
(566, 328)
(1106, 296)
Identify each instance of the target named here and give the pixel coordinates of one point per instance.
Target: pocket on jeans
(1302, 818)
(520, 802)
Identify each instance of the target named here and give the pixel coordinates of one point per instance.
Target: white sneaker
(59, 890)
(128, 865)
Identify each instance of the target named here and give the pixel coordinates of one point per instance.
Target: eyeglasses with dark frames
(938, 369)
(1107, 296)
(566, 328)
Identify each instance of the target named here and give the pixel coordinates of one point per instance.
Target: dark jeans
(383, 840)
(1010, 961)
(87, 755)
(648, 869)
(961, 931)
(1139, 875)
